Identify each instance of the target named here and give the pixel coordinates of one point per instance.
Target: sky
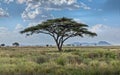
(102, 16)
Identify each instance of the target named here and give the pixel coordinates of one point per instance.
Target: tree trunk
(60, 49)
(59, 45)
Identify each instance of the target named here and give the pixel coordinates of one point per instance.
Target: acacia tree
(60, 29)
(15, 44)
(2, 45)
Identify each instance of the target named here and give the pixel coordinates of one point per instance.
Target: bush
(61, 61)
(41, 59)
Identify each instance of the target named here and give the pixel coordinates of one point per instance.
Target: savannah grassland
(48, 61)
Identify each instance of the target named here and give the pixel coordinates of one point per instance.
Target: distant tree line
(16, 44)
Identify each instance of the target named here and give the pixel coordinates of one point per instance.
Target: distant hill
(100, 43)
(103, 43)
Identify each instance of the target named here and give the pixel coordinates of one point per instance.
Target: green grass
(48, 61)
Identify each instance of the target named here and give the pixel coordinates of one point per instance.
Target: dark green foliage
(15, 44)
(2, 45)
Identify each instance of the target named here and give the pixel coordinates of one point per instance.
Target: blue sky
(102, 16)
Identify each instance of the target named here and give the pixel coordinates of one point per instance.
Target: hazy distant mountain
(103, 43)
(100, 43)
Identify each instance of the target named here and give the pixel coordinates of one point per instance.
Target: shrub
(61, 61)
(41, 59)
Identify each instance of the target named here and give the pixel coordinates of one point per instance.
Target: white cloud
(3, 13)
(84, 6)
(79, 20)
(3, 29)
(19, 27)
(98, 28)
(31, 11)
(34, 23)
(21, 1)
(42, 8)
(106, 33)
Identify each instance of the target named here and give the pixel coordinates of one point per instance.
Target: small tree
(80, 44)
(2, 45)
(60, 29)
(15, 44)
(95, 44)
(47, 45)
